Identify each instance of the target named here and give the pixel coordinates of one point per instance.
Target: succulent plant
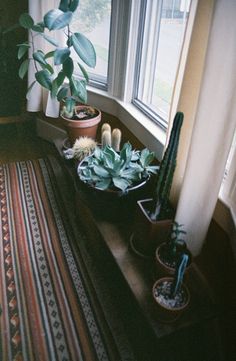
(107, 169)
(166, 172)
(116, 139)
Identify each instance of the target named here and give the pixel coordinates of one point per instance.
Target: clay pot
(79, 128)
(165, 312)
(148, 234)
(162, 269)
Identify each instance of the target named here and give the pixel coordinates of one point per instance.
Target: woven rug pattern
(47, 313)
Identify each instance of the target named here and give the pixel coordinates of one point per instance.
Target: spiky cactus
(166, 172)
(116, 139)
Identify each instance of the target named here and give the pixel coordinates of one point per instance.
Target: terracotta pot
(162, 269)
(148, 234)
(167, 314)
(80, 128)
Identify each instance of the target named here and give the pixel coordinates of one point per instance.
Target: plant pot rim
(171, 269)
(163, 279)
(161, 221)
(112, 191)
(95, 120)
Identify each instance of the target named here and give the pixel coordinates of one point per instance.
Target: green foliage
(166, 172)
(107, 169)
(45, 73)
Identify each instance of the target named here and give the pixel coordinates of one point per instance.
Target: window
(162, 27)
(92, 18)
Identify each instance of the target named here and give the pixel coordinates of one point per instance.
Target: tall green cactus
(166, 172)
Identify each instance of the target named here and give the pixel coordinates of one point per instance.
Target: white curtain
(39, 98)
(211, 125)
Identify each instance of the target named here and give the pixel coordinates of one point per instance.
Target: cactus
(179, 275)
(116, 139)
(166, 172)
(105, 126)
(106, 138)
(83, 147)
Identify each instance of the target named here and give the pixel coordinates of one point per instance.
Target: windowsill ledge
(152, 136)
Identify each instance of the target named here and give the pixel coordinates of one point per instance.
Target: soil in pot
(170, 307)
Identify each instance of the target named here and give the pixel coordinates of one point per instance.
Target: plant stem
(33, 49)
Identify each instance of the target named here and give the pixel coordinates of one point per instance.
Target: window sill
(152, 136)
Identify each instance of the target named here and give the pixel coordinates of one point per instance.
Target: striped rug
(50, 308)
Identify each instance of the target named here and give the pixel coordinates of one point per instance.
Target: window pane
(163, 32)
(92, 18)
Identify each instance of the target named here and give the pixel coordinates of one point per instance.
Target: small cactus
(179, 274)
(106, 138)
(105, 126)
(116, 139)
(83, 147)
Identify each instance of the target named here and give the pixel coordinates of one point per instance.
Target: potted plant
(169, 253)
(171, 295)
(154, 215)
(55, 70)
(112, 176)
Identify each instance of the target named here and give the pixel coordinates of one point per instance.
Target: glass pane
(163, 33)
(92, 18)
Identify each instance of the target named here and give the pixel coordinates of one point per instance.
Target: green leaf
(26, 21)
(64, 5)
(121, 183)
(44, 79)
(60, 78)
(57, 19)
(146, 157)
(23, 48)
(103, 184)
(73, 5)
(84, 48)
(50, 54)
(61, 55)
(101, 172)
(23, 68)
(68, 67)
(39, 57)
(29, 88)
(38, 28)
(70, 104)
(62, 93)
(48, 67)
(54, 89)
(84, 72)
(82, 92)
(50, 40)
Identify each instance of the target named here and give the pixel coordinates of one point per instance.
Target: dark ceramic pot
(148, 234)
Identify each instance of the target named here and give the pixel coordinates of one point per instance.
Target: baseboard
(48, 131)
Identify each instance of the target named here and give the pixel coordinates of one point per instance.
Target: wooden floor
(19, 142)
